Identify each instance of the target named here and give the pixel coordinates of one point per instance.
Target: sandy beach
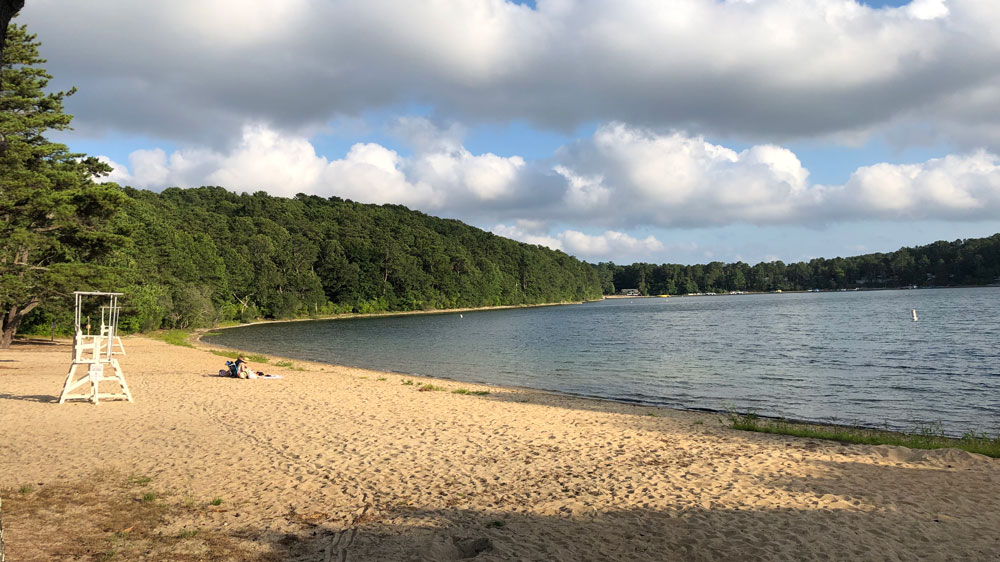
(333, 463)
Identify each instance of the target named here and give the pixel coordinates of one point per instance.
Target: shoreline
(283, 468)
(351, 315)
(919, 429)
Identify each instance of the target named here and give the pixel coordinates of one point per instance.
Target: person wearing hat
(243, 370)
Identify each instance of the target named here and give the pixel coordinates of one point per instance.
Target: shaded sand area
(332, 463)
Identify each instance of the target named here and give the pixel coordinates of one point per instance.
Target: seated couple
(240, 369)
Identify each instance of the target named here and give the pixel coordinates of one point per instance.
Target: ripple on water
(853, 356)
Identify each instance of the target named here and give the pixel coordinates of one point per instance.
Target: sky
(664, 131)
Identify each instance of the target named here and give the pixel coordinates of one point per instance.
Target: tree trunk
(8, 9)
(12, 320)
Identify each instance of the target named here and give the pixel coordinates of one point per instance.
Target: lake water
(846, 357)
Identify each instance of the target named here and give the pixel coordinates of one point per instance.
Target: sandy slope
(373, 469)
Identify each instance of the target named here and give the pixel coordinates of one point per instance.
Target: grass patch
(174, 337)
(100, 518)
(429, 388)
(407, 382)
(496, 524)
(137, 480)
(380, 379)
(26, 489)
(149, 497)
(924, 437)
(250, 357)
(470, 392)
(215, 501)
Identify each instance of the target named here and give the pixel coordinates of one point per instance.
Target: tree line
(198, 257)
(973, 261)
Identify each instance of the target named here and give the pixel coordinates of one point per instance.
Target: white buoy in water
(914, 314)
(460, 316)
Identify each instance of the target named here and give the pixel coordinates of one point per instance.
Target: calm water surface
(853, 357)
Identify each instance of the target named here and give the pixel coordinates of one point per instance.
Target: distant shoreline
(197, 334)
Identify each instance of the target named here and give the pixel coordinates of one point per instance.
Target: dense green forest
(974, 261)
(197, 257)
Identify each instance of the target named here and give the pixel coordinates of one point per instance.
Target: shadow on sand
(43, 398)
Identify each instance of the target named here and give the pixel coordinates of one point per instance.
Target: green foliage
(57, 232)
(216, 501)
(921, 438)
(975, 261)
(471, 392)
(429, 388)
(208, 256)
(175, 337)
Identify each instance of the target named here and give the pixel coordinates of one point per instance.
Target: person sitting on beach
(243, 370)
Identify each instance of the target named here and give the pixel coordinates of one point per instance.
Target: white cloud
(610, 243)
(441, 174)
(622, 178)
(527, 233)
(586, 246)
(677, 180)
(766, 70)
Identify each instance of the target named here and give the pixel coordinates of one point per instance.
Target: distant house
(630, 292)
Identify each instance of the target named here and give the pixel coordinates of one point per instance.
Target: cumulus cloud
(587, 246)
(441, 173)
(623, 177)
(677, 180)
(767, 69)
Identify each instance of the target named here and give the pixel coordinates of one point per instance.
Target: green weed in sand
(429, 387)
(26, 489)
(407, 382)
(138, 480)
(470, 392)
(174, 337)
(216, 501)
(923, 437)
(250, 357)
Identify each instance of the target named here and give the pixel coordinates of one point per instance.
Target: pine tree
(53, 217)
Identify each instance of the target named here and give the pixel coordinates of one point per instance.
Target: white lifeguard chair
(96, 352)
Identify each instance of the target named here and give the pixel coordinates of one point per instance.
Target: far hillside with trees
(973, 261)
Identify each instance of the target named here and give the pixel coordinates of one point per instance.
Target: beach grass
(250, 357)
(470, 392)
(174, 337)
(288, 365)
(429, 388)
(923, 437)
(100, 518)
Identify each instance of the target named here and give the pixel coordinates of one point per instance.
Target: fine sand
(350, 467)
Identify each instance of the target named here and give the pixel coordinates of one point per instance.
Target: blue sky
(682, 131)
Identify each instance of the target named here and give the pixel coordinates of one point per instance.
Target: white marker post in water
(914, 314)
